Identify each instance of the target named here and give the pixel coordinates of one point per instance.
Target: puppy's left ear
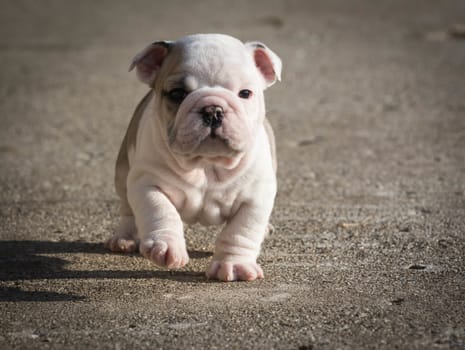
(149, 60)
(267, 62)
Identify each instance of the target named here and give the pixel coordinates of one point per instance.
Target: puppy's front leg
(158, 224)
(238, 245)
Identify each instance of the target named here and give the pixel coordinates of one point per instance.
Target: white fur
(187, 177)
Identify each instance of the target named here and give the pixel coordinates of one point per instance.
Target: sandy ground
(369, 245)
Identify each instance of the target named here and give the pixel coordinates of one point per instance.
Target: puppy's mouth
(206, 141)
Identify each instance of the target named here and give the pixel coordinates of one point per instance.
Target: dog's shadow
(31, 260)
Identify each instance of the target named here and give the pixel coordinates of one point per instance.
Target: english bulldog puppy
(199, 149)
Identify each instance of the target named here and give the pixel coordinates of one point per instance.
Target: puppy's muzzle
(212, 116)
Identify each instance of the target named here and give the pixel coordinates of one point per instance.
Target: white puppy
(199, 149)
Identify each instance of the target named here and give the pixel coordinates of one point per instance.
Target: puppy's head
(209, 93)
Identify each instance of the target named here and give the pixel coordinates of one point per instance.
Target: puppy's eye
(177, 95)
(245, 94)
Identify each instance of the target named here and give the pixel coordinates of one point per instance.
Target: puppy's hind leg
(124, 239)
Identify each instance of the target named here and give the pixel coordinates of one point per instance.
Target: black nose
(212, 116)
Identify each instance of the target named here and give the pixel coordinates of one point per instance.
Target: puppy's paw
(124, 240)
(121, 244)
(228, 271)
(165, 251)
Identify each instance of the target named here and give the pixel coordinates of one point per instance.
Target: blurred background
(355, 75)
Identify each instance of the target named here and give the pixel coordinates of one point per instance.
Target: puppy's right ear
(149, 61)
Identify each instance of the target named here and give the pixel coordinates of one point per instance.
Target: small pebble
(417, 267)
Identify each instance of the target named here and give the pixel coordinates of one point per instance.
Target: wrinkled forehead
(210, 62)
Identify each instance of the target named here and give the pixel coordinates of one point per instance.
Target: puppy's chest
(207, 204)
(214, 208)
